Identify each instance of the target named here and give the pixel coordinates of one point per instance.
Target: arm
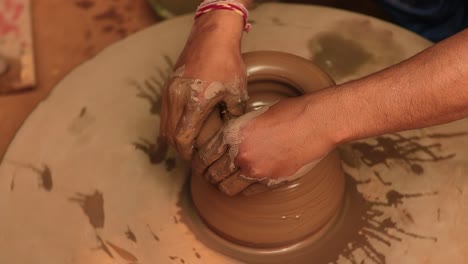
(210, 71)
(428, 89)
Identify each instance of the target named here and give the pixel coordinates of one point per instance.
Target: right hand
(268, 146)
(210, 71)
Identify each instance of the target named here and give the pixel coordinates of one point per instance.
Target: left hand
(267, 146)
(210, 72)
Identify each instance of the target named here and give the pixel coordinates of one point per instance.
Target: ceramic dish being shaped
(283, 216)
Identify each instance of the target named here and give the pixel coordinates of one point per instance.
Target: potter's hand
(265, 148)
(298, 131)
(209, 72)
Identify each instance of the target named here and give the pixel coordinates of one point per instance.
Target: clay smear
(45, 175)
(275, 181)
(231, 133)
(202, 91)
(179, 72)
(130, 235)
(93, 207)
(122, 252)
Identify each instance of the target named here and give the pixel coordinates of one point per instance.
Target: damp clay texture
(297, 211)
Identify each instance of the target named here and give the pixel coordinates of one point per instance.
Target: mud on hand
(220, 161)
(187, 102)
(215, 158)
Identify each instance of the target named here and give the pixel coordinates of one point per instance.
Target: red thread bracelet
(212, 5)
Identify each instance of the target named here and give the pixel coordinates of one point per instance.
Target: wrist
(245, 3)
(347, 113)
(230, 20)
(322, 114)
(230, 13)
(224, 25)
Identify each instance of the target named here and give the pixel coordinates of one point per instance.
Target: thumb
(236, 97)
(235, 105)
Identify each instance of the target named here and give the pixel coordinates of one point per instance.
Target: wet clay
(367, 47)
(93, 207)
(295, 211)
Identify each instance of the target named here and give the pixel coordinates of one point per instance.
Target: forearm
(225, 24)
(217, 31)
(428, 89)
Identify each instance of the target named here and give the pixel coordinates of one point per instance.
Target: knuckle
(184, 147)
(182, 139)
(254, 172)
(242, 159)
(203, 157)
(207, 176)
(224, 189)
(213, 175)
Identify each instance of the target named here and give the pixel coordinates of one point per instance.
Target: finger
(177, 95)
(198, 165)
(163, 113)
(221, 169)
(235, 104)
(258, 188)
(209, 129)
(190, 124)
(158, 151)
(234, 184)
(208, 154)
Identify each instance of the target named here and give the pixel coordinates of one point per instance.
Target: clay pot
(289, 214)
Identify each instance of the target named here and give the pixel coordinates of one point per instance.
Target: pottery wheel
(77, 187)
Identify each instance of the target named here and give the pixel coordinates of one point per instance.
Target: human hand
(210, 72)
(266, 147)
